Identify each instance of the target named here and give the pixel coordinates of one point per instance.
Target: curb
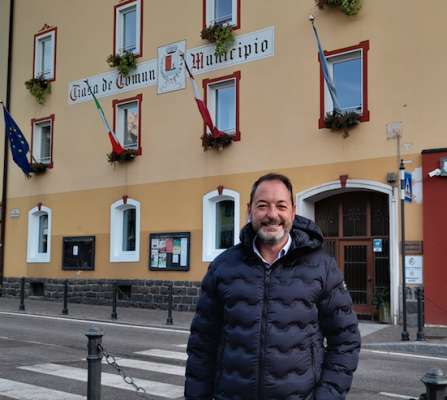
(102, 321)
(431, 349)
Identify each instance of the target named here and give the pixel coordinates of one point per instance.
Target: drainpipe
(6, 148)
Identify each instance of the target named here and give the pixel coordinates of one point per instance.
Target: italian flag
(116, 146)
(203, 109)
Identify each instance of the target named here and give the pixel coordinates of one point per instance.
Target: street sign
(377, 245)
(408, 187)
(413, 273)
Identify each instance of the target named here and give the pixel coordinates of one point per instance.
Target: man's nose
(272, 212)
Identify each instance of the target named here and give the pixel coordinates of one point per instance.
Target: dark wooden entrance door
(350, 221)
(357, 267)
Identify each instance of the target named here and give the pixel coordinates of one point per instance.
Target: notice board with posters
(169, 251)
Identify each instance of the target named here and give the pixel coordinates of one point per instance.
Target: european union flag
(19, 145)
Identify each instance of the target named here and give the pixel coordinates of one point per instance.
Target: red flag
(203, 109)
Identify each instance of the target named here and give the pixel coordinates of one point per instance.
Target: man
(265, 308)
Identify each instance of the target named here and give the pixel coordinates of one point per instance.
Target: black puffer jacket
(258, 332)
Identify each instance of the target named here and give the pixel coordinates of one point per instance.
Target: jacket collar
(305, 234)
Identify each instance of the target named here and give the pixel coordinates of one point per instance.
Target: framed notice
(78, 253)
(169, 251)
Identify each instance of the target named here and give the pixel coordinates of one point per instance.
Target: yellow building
(167, 212)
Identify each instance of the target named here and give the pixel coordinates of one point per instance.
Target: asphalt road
(44, 359)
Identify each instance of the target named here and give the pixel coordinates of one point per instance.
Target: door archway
(352, 217)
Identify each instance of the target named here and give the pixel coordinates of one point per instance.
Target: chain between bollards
(22, 295)
(65, 309)
(169, 320)
(94, 357)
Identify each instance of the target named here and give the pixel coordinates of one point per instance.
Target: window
(42, 140)
(45, 53)
(125, 231)
(128, 27)
(226, 12)
(39, 235)
(222, 99)
(127, 122)
(348, 68)
(221, 218)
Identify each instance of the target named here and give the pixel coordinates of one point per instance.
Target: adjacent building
(161, 214)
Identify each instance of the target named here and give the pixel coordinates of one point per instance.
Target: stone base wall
(143, 293)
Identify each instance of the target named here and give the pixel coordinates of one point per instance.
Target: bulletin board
(169, 251)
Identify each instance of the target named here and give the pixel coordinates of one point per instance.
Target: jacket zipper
(314, 366)
(267, 273)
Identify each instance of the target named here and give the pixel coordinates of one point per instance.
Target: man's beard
(272, 238)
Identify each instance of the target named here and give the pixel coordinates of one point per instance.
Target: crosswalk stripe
(25, 391)
(173, 355)
(151, 366)
(181, 345)
(153, 388)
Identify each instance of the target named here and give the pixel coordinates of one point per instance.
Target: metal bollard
(94, 356)
(420, 333)
(435, 384)
(22, 295)
(169, 320)
(114, 315)
(65, 309)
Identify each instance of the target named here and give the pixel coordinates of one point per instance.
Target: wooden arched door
(351, 223)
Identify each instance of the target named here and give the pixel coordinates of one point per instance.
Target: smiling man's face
(272, 212)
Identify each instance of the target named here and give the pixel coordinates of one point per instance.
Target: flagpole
(5, 150)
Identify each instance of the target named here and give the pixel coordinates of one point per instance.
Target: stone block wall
(143, 293)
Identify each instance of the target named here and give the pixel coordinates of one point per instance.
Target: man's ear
(248, 212)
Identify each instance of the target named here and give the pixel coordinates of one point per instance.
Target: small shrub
(125, 63)
(221, 35)
(341, 121)
(39, 87)
(127, 155)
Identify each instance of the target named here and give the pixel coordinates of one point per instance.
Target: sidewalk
(374, 336)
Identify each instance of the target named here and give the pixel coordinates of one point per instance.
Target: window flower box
(221, 35)
(125, 63)
(127, 155)
(39, 87)
(342, 121)
(348, 7)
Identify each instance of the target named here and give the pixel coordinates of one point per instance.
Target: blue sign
(377, 245)
(408, 187)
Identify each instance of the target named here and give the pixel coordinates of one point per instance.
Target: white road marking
(152, 388)
(91, 322)
(24, 391)
(391, 353)
(398, 396)
(4, 337)
(183, 346)
(173, 355)
(151, 366)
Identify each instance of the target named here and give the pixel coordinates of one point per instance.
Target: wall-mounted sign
(14, 213)
(171, 67)
(250, 47)
(414, 247)
(377, 245)
(169, 251)
(413, 270)
(408, 187)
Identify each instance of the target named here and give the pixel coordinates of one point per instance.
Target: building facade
(161, 216)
